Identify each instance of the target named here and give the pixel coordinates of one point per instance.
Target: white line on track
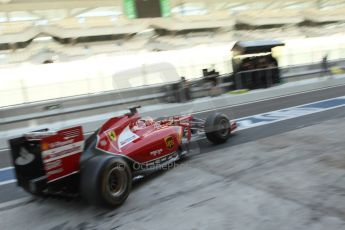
(8, 182)
(4, 150)
(269, 99)
(6, 168)
(290, 116)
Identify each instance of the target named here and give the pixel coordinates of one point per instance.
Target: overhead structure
(157, 24)
(252, 47)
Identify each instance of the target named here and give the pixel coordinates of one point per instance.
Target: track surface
(292, 180)
(10, 192)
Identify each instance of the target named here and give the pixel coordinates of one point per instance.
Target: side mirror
(133, 110)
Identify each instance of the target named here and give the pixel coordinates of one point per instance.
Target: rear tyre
(217, 128)
(105, 181)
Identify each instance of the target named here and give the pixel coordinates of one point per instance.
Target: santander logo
(60, 143)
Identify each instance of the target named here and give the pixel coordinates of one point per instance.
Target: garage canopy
(251, 47)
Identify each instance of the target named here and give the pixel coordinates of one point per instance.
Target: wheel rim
(116, 181)
(223, 127)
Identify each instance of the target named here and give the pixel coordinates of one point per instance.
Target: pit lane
(9, 191)
(286, 180)
(203, 154)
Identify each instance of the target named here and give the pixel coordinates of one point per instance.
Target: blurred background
(65, 48)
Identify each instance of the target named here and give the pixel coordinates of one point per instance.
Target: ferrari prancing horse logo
(169, 141)
(112, 135)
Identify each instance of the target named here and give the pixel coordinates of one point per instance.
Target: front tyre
(217, 128)
(105, 181)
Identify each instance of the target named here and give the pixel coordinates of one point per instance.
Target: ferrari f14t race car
(102, 167)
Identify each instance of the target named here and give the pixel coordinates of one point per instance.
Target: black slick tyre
(217, 128)
(105, 181)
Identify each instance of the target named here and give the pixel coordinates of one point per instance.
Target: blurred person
(266, 72)
(324, 65)
(273, 65)
(210, 76)
(260, 74)
(262, 63)
(185, 89)
(215, 89)
(247, 76)
(213, 78)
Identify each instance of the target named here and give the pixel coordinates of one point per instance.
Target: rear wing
(43, 156)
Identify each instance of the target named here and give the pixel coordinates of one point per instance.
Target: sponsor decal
(63, 151)
(126, 137)
(156, 152)
(155, 163)
(51, 165)
(161, 160)
(169, 142)
(44, 146)
(60, 143)
(55, 171)
(103, 143)
(112, 135)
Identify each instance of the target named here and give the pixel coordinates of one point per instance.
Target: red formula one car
(102, 167)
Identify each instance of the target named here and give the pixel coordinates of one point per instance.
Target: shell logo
(44, 146)
(104, 143)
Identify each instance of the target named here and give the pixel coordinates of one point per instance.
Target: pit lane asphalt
(11, 191)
